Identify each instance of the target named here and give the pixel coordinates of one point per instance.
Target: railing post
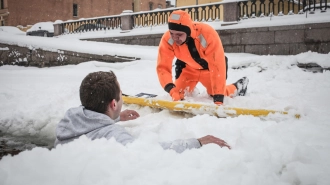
(57, 29)
(126, 20)
(230, 13)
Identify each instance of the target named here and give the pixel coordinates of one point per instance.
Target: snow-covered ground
(278, 149)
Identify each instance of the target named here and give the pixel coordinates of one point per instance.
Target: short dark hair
(98, 89)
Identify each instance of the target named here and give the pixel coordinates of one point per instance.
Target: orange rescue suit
(209, 47)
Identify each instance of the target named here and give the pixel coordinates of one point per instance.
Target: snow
(48, 26)
(278, 149)
(11, 30)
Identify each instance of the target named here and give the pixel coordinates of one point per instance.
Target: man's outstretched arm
(181, 145)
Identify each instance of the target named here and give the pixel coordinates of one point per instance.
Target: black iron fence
(201, 13)
(260, 8)
(101, 23)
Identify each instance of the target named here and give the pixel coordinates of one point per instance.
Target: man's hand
(176, 94)
(211, 139)
(128, 115)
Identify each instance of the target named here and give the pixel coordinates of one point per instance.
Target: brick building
(3, 12)
(145, 5)
(29, 12)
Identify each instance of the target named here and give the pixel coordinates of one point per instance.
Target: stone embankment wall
(24, 56)
(277, 40)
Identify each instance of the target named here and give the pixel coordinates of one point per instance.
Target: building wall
(3, 12)
(144, 5)
(194, 2)
(29, 12)
(169, 4)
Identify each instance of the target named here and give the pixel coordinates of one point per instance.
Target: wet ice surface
(13, 145)
(313, 67)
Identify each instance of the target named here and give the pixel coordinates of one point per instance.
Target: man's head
(100, 92)
(180, 25)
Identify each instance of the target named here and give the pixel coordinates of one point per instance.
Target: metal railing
(200, 13)
(260, 8)
(93, 24)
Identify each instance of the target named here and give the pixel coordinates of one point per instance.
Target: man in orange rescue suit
(200, 58)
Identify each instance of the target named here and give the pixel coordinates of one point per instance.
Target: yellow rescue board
(197, 108)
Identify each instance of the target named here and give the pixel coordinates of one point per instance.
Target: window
(2, 21)
(151, 6)
(75, 10)
(1, 4)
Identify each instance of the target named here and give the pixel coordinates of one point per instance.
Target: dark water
(13, 145)
(312, 67)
